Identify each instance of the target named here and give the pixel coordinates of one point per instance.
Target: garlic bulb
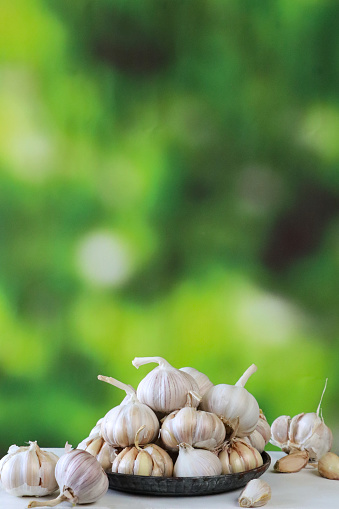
(28, 471)
(204, 383)
(101, 450)
(119, 426)
(233, 402)
(239, 456)
(80, 477)
(194, 427)
(196, 462)
(328, 466)
(149, 459)
(305, 432)
(256, 494)
(165, 388)
(261, 435)
(97, 429)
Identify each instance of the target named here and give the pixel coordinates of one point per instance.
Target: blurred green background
(169, 186)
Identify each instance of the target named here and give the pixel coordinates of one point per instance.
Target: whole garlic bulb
(304, 432)
(80, 477)
(119, 426)
(28, 471)
(239, 456)
(196, 462)
(261, 435)
(194, 427)
(234, 402)
(165, 388)
(204, 383)
(101, 450)
(149, 459)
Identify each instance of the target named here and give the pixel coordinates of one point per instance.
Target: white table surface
(304, 489)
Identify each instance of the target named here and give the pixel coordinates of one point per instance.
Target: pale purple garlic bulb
(165, 388)
(304, 432)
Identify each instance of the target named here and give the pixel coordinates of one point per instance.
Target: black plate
(186, 486)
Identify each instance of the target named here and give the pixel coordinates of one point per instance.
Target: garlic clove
(280, 429)
(256, 494)
(142, 464)
(292, 462)
(101, 450)
(328, 466)
(239, 456)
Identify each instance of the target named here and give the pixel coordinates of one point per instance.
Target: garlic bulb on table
(196, 462)
(119, 426)
(149, 459)
(239, 456)
(234, 402)
(28, 471)
(204, 383)
(165, 388)
(304, 432)
(80, 477)
(261, 435)
(101, 450)
(194, 427)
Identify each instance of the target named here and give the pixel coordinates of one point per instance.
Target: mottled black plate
(185, 486)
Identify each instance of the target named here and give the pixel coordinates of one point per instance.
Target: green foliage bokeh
(169, 186)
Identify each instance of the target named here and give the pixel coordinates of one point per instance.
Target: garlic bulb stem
(136, 440)
(127, 388)
(49, 503)
(140, 361)
(318, 409)
(249, 372)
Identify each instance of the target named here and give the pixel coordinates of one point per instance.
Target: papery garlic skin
(119, 425)
(235, 404)
(195, 427)
(204, 383)
(239, 456)
(165, 388)
(196, 462)
(28, 471)
(256, 494)
(80, 477)
(101, 450)
(328, 466)
(261, 435)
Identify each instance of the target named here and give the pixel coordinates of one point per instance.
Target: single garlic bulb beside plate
(28, 471)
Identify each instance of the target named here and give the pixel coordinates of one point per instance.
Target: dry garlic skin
(194, 427)
(28, 471)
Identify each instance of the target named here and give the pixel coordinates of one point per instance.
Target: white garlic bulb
(165, 388)
(239, 456)
(256, 494)
(149, 459)
(119, 426)
(28, 471)
(204, 383)
(261, 435)
(194, 427)
(196, 462)
(97, 429)
(234, 402)
(80, 477)
(101, 450)
(304, 432)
